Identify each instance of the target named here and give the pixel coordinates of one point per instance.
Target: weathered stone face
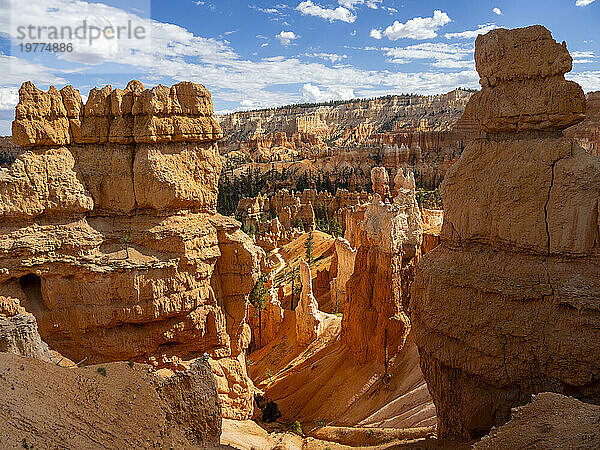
(19, 335)
(309, 320)
(112, 239)
(509, 303)
(523, 85)
(345, 257)
(519, 54)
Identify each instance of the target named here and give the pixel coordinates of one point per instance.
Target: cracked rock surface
(509, 304)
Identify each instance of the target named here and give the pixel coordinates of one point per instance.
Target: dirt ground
(549, 421)
(105, 406)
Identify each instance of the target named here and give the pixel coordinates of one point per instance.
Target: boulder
(524, 88)
(19, 335)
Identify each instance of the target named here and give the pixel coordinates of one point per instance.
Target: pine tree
(294, 289)
(336, 228)
(308, 247)
(258, 299)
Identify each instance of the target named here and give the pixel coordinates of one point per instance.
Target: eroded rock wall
(509, 303)
(110, 235)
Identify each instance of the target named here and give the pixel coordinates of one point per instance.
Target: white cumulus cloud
(351, 4)
(333, 57)
(312, 93)
(9, 97)
(286, 37)
(441, 55)
(415, 28)
(497, 11)
(583, 57)
(308, 8)
(589, 80)
(377, 34)
(470, 34)
(584, 2)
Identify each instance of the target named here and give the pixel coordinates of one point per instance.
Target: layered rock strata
(19, 335)
(109, 231)
(345, 123)
(509, 303)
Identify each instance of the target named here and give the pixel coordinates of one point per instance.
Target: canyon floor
(320, 385)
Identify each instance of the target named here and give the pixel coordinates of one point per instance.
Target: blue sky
(265, 53)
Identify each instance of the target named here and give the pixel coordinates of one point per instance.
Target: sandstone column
(509, 303)
(375, 324)
(309, 320)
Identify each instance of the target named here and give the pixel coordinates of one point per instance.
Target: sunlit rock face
(509, 303)
(310, 322)
(375, 324)
(344, 259)
(110, 235)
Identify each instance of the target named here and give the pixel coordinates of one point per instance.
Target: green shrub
(296, 428)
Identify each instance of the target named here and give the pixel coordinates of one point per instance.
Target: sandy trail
(281, 262)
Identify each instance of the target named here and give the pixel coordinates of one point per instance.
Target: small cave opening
(31, 285)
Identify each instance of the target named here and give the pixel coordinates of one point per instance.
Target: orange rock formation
(110, 236)
(309, 320)
(509, 305)
(345, 257)
(375, 324)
